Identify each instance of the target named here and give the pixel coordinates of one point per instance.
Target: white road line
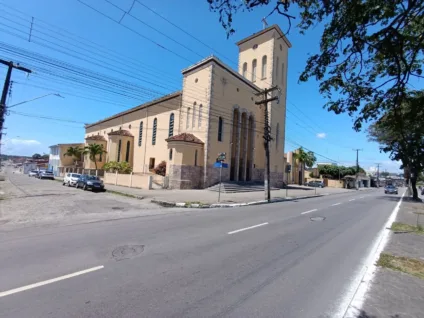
(248, 228)
(336, 204)
(309, 211)
(361, 197)
(352, 199)
(353, 299)
(49, 281)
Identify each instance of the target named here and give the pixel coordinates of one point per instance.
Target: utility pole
(378, 174)
(6, 85)
(357, 167)
(267, 137)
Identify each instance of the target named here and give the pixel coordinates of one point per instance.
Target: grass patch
(407, 265)
(402, 227)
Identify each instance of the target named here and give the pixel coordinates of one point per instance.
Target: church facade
(215, 112)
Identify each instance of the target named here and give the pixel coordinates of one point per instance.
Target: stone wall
(277, 179)
(185, 177)
(258, 174)
(212, 175)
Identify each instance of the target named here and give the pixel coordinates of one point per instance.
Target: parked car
(33, 173)
(87, 182)
(390, 189)
(317, 184)
(71, 179)
(44, 174)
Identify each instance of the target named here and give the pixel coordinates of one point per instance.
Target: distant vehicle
(44, 174)
(33, 173)
(316, 184)
(390, 189)
(71, 179)
(87, 182)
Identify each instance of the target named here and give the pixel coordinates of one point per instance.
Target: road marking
(248, 228)
(309, 211)
(336, 204)
(49, 281)
(352, 199)
(352, 301)
(361, 197)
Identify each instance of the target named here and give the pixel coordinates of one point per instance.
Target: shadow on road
(395, 198)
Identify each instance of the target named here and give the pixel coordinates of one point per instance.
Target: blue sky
(131, 56)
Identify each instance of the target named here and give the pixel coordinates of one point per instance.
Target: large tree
(94, 151)
(369, 49)
(400, 133)
(74, 152)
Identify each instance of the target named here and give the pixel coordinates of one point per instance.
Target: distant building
(58, 160)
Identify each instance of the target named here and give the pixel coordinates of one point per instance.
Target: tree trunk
(95, 162)
(414, 188)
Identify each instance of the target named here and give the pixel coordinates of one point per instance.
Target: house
(34, 164)
(215, 112)
(58, 160)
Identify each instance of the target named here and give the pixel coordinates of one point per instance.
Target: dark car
(87, 182)
(316, 184)
(390, 189)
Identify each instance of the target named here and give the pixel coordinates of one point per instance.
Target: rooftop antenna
(264, 23)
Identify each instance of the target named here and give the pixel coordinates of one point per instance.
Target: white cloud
(321, 135)
(23, 142)
(23, 147)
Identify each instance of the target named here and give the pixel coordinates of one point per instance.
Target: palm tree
(75, 152)
(304, 159)
(94, 150)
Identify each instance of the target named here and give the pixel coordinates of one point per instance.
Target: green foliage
(75, 152)
(384, 174)
(94, 151)
(36, 156)
(369, 50)
(305, 158)
(161, 168)
(333, 172)
(120, 167)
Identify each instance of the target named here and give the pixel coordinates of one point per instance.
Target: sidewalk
(205, 197)
(397, 289)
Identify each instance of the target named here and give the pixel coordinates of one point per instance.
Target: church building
(214, 112)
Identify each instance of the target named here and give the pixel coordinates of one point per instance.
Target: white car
(71, 179)
(33, 173)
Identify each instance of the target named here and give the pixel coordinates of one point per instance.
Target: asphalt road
(258, 261)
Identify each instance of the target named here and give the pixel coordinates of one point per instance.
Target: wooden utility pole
(6, 85)
(357, 167)
(267, 137)
(378, 174)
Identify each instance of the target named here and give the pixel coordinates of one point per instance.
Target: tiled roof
(96, 137)
(186, 137)
(121, 132)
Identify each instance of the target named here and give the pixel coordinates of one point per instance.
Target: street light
(27, 101)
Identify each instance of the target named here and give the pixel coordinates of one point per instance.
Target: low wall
(334, 183)
(131, 180)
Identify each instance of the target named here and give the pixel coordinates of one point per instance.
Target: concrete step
(233, 187)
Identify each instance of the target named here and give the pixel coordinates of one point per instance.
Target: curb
(138, 197)
(189, 205)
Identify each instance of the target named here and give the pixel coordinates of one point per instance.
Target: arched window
(119, 150)
(188, 118)
(264, 62)
(170, 154)
(171, 125)
(100, 157)
(277, 63)
(140, 134)
(245, 70)
(200, 114)
(220, 126)
(155, 127)
(254, 64)
(127, 154)
(195, 158)
(193, 119)
(282, 73)
(277, 136)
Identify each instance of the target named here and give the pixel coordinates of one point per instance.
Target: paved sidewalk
(394, 293)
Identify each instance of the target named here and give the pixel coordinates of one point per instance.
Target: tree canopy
(94, 151)
(36, 156)
(369, 50)
(305, 158)
(334, 172)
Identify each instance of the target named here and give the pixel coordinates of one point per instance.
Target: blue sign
(220, 165)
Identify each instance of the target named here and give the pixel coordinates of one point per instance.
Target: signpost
(288, 170)
(220, 164)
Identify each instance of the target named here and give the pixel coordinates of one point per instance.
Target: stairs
(238, 187)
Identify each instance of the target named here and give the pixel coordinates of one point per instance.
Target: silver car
(44, 174)
(33, 173)
(71, 179)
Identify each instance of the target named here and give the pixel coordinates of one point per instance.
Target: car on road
(390, 189)
(44, 174)
(316, 184)
(92, 183)
(33, 173)
(71, 179)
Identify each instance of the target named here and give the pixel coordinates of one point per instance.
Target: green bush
(120, 167)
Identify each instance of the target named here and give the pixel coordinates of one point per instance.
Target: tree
(45, 156)
(400, 133)
(304, 158)
(75, 152)
(36, 156)
(120, 167)
(384, 174)
(369, 50)
(94, 150)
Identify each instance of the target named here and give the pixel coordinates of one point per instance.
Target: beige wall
(67, 160)
(131, 122)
